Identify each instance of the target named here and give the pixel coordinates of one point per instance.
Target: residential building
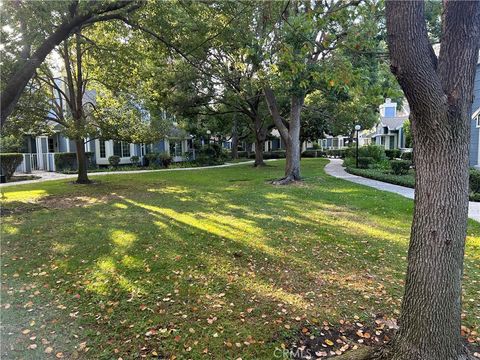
(475, 122)
(389, 132)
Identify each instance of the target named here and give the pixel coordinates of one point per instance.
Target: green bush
(365, 162)
(68, 161)
(9, 163)
(276, 154)
(400, 167)
(135, 160)
(11, 144)
(315, 146)
(336, 153)
(402, 180)
(475, 181)
(114, 160)
(393, 153)
(211, 154)
(313, 153)
(165, 159)
(242, 154)
(407, 156)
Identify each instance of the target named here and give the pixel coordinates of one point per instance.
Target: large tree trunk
(81, 162)
(293, 146)
(440, 96)
(290, 135)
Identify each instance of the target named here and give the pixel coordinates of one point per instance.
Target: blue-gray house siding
(475, 132)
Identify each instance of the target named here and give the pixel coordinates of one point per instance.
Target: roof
(393, 123)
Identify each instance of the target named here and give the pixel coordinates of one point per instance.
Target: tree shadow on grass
(174, 255)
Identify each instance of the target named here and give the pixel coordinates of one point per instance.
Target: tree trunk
(259, 146)
(260, 137)
(440, 96)
(290, 135)
(81, 162)
(234, 140)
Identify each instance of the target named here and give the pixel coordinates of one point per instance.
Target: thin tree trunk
(439, 93)
(235, 140)
(81, 162)
(260, 137)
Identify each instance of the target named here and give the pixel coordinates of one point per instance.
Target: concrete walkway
(335, 169)
(49, 176)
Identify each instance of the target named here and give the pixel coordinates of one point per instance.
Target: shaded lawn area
(214, 264)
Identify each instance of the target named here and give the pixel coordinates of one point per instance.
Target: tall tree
(439, 91)
(298, 40)
(43, 25)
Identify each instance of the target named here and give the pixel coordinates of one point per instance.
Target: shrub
(276, 154)
(9, 163)
(242, 154)
(211, 154)
(164, 159)
(364, 162)
(337, 153)
(68, 160)
(403, 180)
(135, 160)
(475, 181)
(114, 160)
(393, 153)
(313, 153)
(407, 156)
(315, 146)
(400, 167)
(11, 144)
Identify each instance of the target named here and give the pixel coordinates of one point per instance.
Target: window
(51, 147)
(103, 153)
(382, 140)
(175, 148)
(125, 149)
(117, 148)
(121, 148)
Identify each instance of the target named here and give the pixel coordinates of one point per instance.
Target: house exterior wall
(475, 131)
(63, 143)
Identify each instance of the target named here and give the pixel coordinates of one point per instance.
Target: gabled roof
(393, 123)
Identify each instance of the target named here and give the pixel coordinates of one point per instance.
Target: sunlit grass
(219, 263)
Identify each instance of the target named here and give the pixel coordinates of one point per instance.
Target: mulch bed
(327, 340)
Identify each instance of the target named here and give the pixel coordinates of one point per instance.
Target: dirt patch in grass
(327, 341)
(54, 203)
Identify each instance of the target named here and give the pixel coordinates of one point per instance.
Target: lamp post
(357, 129)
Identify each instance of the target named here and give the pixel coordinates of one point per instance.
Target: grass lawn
(204, 264)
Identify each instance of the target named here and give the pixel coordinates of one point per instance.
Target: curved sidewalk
(335, 169)
(49, 176)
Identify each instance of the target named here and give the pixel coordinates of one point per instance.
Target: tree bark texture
(82, 177)
(439, 92)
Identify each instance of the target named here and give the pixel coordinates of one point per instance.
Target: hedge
(314, 153)
(393, 153)
(68, 160)
(9, 163)
(400, 167)
(407, 156)
(408, 180)
(162, 159)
